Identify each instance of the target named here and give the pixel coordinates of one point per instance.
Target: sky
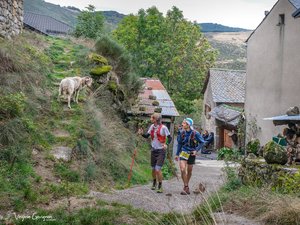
(234, 13)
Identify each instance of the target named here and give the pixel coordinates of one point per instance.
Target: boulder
(275, 154)
(293, 111)
(98, 59)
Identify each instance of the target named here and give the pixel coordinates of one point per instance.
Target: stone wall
(258, 172)
(11, 18)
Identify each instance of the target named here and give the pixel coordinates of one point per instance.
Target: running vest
(192, 142)
(161, 139)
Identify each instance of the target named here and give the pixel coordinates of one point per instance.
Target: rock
(63, 153)
(275, 154)
(99, 59)
(100, 70)
(251, 156)
(292, 111)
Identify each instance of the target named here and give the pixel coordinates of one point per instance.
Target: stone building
(11, 18)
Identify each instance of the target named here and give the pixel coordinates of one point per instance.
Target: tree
(170, 48)
(89, 23)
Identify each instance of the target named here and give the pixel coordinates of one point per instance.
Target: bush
(253, 146)
(228, 154)
(109, 48)
(65, 173)
(12, 105)
(12, 132)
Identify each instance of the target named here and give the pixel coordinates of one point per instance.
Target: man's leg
(160, 162)
(189, 173)
(183, 168)
(182, 165)
(159, 175)
(153, 162)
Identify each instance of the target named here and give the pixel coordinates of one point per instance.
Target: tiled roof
(154, 87)
(228, 86)
(46, 24)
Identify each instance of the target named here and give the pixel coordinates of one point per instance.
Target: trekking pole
(172, 163)
(131, 166)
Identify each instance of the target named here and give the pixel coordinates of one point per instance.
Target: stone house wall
(11, 18)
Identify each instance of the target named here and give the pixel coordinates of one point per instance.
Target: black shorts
(191, 160)
(157, 157)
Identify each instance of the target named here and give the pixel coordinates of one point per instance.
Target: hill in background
(229, 41)
(215, 27)
(231, 47)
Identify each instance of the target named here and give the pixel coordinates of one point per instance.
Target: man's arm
(200, 141)
(146, 135)
(141, 132)
(169, 140)
(179, 144)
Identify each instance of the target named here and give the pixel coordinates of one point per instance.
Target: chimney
(266, 12)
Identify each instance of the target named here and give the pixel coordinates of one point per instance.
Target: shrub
(65, 173)
(228, 154)
(12, 105)
(12, 132)
(7, 64)
(109, 48)
(253, 146)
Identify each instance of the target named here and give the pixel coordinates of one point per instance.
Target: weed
(66, 173)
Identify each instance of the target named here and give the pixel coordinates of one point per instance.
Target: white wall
(273, 69)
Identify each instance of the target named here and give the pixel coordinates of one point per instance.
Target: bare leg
(153, 174)
(183, 165)
(159, 175)
(189, 173)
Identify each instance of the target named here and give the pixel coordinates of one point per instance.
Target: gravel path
(207, 172)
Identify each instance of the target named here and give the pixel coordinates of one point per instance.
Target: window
(207, 110)
(281, 20)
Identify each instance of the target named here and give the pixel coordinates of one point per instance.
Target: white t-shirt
(155, 143)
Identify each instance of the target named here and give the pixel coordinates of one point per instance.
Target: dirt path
(207, 172)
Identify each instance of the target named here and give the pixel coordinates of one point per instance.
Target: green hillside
(231, 47)
(34, 125)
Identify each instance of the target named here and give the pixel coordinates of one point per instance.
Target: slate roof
(295, 3)
(46, 24)
(228, 86)
(154, 87)
(227, 114)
